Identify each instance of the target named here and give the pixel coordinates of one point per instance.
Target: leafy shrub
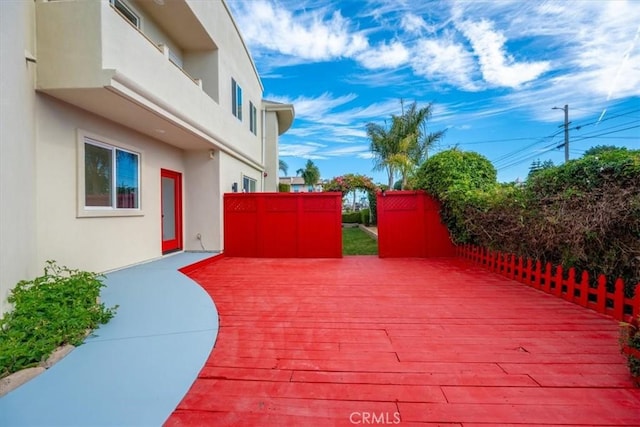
(587, 213)
(351, 218)
(49, 311)
(284, 188)
(455, 170)
(373, 207)
(455, 178)
(583, 214)
(618, 167)
(364, 217)
(630, 339)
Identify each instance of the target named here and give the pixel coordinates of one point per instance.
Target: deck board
(436, 341)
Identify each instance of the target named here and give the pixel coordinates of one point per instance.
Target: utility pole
(566, 131)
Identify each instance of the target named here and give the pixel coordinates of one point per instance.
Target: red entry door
(171, 198)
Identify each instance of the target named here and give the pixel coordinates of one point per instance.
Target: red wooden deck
(363, 340)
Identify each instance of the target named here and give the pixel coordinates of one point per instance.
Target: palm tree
(283, 166)
(383, 147)
(310, 174)
(404, 146)
(414, 140)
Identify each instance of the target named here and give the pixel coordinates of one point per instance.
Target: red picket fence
(409, 225)
(283, 225)
(552, 280)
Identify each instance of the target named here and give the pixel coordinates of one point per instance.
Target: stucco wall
(232, 171)
(235, 63)
(17, 147)
(39, 133)
(271, 151)
(96, 244)
(203, 201)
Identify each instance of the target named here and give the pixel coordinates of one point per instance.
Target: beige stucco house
(122, 124)
(296, 184)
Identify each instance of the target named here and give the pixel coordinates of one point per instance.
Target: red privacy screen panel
(409, 226)
(283, 225)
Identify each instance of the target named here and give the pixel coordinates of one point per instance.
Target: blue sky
(493, 71)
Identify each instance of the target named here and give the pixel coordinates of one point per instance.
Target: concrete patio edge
(134, 370)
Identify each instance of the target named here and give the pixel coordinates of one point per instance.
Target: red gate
(283, 225)
(409, 226)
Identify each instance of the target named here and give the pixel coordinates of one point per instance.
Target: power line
(577, 127)
(525, 159)
(488, 141)
(531, 156)
(566, 130)
(520, 150)
(607, 133)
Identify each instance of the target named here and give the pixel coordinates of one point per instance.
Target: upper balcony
(91, 56)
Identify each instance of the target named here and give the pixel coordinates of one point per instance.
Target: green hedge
(351, 218)
(583, 214)
(455, 178)
(284, 188)
(364, 217)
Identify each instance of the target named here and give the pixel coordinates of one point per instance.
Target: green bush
(618, 167)
(373, 206)
(351, 218)
(583, 214)
(630, 337)
(55, 309)
(457, 170)
(587, 213)
(284, 188)
(364, 217)
(455, 178)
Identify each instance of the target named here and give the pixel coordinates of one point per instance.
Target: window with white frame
(236, 99)
(248, 184)
(126, 11)
(253, 118)
(111, 177)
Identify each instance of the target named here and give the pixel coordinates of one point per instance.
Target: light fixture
(159, 2)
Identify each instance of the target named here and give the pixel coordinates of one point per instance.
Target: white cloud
(305, 151)
(444, 60)
(365, 155)
(315, 109)
(347, 150)
(610, 54)
(497, 66)
(310, 35)
(412, 23)
(391, 55)
(316, 151)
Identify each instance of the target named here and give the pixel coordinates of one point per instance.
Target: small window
(253, 118)
(126, 11)
(111, 177)
(248, 185)
(236, 99)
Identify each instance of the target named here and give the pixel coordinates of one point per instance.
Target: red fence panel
(409, 226)
(597, 298)
(283, 225)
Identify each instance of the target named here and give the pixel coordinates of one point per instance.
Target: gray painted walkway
(137, 368)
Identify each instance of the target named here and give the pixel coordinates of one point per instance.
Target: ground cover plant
(630, 344)
(357, 242)
(52, 310)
